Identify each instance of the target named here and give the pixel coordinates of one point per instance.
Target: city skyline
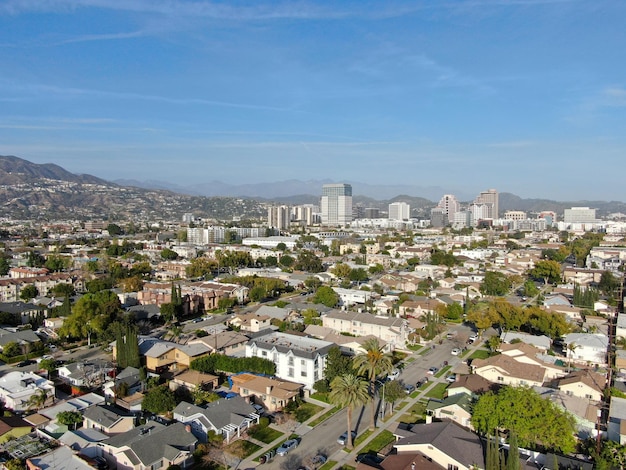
(520, 95)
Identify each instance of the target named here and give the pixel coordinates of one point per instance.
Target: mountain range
(34, 191)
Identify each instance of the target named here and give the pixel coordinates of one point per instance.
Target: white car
(394, 374)
(455, 352)
(473, 337)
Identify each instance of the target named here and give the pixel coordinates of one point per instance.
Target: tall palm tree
(372, 363)
(571, 347)
(38, 399)
(348, 391)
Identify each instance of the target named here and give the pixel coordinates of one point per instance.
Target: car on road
(433, 370)
(25, 363)
(408, 388)
(394, 374)
(287, 446)
(343, 439)
(455, 352)
(473, 337)
(369, 459)
(451, 378)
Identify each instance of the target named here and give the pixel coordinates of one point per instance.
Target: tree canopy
(327, 296)
(536, 422)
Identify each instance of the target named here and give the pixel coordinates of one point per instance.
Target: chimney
(268, 389)
(188, 428)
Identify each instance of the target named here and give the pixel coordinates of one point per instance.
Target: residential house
(230, 343)
(23, 312)
(49, 414)
(275, 313)
(150, 446)
(273, 394)
(88, 374)
(529, 354)
(252, 322)
(84, 441)
(420, 307)
(298, 359)
(585, 348)
(61, 458)
(349, 345)
(192, 380)
(445, 443)
(583, 384)
(455, 408)
(617, 420)
(394, 331)
(108, 419)
(26, 339)
(128, 380)
(17, 388)
(620, 328)
(350, 297)
(185, 353)
(505, 370)
(620, 359)
(12, 427)
(470, 384)
(541, 342)
(228, 417)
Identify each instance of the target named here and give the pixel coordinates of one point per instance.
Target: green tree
(394, 391)
(608, 283)
(536, 422)
(495, 283)
(201, 267)
(308, 261)
(38, 399)
(12, 349)
(341, 270)
(348, 391)
(57, 263)
(337, 364)
(327, 296)
(549, 271)
(168, 254)
(63, 290)
(5, 265)
(70, 418)
(28, 292)
(372, 363)
(114, 230)
(287, 261)
(312, 283)
(159, 400)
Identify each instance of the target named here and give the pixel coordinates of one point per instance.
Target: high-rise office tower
(450, 205)
(489, 198)
(336, 204)
(399, 211)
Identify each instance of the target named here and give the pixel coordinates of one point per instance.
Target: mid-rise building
(336, 204)
(579, 215)
(399, 211)
(490, 199)
(515, 215)
(372, 213)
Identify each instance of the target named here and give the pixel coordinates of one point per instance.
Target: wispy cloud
(101, 37)
(614, 97)
(39, 89)
(513, 144)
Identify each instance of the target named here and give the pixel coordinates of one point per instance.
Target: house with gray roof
(586, 348)
(455, 408)
(541, 342)
(84, 440)
(149, 446)
(61, 458)
(228, 417)
(445, 443)
(297, 358)
(617, 420)
(90, 373)
(394, 331)
(21, 337)
(108, 419)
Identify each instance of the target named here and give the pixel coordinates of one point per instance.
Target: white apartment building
(393, 331)
(579, 215)
(399, 211)
(278, 217)
(450, 205)
(490, 199)
(298, 359)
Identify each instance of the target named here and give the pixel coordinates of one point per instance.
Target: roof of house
(105, 415)
(461, 400)
(153, 441)
(61, 458)
(219, 413)
(298, 345)
(511, 367)
(587, 340)
(367, 318)
(588, 377)
(453, 440)
(7, 423)
(472, 382)
(195, 377)
(260, 384)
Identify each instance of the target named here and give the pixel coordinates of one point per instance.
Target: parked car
(258, 408)
(369, 459)
(455, 352)
(343, 439)
(25, 363)
(287, 446)
(408, 388)
(433, 370)
(394, 374)
(419, 383)
(451, 378)
(473, 337)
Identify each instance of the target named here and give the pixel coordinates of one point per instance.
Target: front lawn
(480, 354)
(415, 414)
(379, 442)
(437, 391)
(305, 411)
(264, 434)
(320, 396)
(324, 417)
(242, 448)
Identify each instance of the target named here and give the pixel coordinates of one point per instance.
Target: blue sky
(526, 96)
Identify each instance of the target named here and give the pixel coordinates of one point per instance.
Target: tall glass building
(336, 204)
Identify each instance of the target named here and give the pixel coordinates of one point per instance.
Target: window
(303, 373)
(264, 353)
(290, 361)
(245, 391)
(275, 357)
(316, 376)
(500, 379)
(290, 372)
(301, 362)
(316, 361)
(452, 467)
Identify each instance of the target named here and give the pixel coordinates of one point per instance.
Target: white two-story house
(298, 359)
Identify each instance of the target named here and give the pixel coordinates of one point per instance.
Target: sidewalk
(301, 430)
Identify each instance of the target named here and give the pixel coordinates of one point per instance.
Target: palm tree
(571, 347)
(371, 363)
(348, 391)
(38, 399)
